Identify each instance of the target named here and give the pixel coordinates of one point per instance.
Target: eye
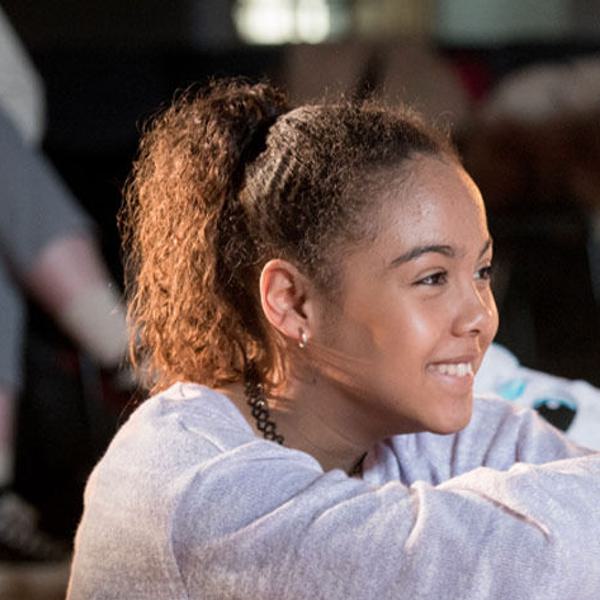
(439, 278)
(485, 273)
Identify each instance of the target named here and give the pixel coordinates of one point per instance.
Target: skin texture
(370, 368)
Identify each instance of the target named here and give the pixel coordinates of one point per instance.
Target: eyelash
(434, 279)
(486, 272)
(441, 277)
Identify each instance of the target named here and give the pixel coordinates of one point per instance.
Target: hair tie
(254, 144)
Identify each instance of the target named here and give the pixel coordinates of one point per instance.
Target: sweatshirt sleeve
(287, 530)
(499, 435)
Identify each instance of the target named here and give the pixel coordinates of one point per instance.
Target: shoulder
(179, 430)
(186, 433)
(499, 435)
(184, 425)
(192, 408)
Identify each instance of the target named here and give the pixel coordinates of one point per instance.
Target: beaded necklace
(257, 400)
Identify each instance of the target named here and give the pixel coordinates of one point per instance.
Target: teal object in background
(512, 389)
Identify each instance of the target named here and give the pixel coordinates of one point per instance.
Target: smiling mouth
(463, 369)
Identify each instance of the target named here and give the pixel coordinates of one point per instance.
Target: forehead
(433, 200)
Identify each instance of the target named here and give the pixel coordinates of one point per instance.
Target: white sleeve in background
(501, 374)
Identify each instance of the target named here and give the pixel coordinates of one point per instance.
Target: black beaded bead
(255, 396)
(269, 428)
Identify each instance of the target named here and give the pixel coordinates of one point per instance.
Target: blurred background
(517, 82)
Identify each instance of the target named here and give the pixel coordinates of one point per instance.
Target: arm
(530, 532)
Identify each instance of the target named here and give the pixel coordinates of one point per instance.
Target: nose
(476, 313)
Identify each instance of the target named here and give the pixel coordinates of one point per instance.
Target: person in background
(310, 300)
(571, 405)
(48, 251)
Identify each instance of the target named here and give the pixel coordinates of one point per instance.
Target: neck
(314, 418)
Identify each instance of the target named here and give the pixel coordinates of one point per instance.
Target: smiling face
(416, 312)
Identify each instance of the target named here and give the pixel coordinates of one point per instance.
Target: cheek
(413, 331)
(427, 321)
(348, 333)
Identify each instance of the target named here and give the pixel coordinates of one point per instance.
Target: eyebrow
(442, 249)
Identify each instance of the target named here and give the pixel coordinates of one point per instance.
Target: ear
(286, 298)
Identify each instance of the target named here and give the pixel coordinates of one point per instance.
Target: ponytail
(187, 246)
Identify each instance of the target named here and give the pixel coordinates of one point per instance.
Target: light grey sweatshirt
(188, 503)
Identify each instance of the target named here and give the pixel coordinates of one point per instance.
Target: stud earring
(303, 339)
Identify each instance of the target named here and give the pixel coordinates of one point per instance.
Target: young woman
(310, 300)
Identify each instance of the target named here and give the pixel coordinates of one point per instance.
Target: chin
(455, 420)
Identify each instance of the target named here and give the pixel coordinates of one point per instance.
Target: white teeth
(455, 369)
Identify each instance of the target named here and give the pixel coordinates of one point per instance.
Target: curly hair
(227, 179)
